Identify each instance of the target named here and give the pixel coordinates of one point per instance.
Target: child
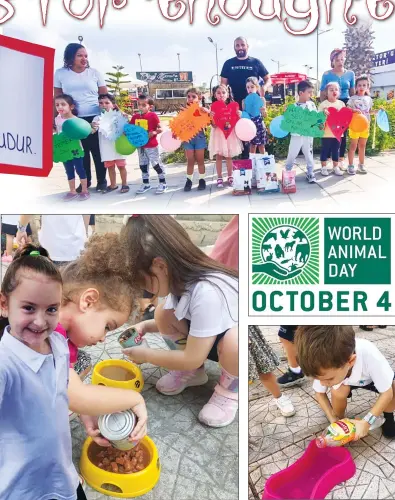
(330, 146)
(339, 361)
(222, 147)
(108, 153)
(294, 374)
(150, 152)
(263, 361)
(9, 227)
(260, 139)
(360, 103)
(298, 142)
(194, 149)
(198, 315)
(66, 107)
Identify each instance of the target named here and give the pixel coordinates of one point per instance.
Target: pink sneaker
(220, 411)
(175, 382)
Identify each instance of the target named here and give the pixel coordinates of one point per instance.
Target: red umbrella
(287, 78)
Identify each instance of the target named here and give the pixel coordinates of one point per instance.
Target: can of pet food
(130, 338)
(117, 428)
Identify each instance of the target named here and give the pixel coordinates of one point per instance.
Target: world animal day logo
(320, 265)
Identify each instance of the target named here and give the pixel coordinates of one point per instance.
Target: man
(235, 72)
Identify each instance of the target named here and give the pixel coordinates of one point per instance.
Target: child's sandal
(124, 189)
(230, 181)
(109, 189)
(220, 183)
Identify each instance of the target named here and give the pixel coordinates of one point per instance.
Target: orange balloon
(359, 123)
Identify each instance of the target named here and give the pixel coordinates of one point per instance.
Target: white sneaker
(324, 171)
(284, 404)
(143, 188)
(311, 178)
(378, 423)
(337, 171)
(162, 188)
(342, 165)
(362, 169)
(175, 382)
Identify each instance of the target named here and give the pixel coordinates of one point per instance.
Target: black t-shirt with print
(238, 70)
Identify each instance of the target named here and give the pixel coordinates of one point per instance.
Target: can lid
(117, 426)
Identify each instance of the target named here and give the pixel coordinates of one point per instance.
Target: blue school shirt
(35, 440)
(346, 82)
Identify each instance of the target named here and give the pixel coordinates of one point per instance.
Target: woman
(346, 80)
(84, 84)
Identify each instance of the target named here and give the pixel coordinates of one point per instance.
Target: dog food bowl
(313, 476)
(130, 485)
(118, 373)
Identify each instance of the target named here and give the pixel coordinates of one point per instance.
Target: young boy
(298, 142)
(341, 362)
(150, 152)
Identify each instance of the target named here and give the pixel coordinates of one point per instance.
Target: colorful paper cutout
(111, 124)
(302, 121)
(253, 104)
(338, 121)
(65, 149)
(382, 120)
(136, 135)
(225, 116)
(189, 122)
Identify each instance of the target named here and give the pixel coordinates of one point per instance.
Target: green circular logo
(285, 251)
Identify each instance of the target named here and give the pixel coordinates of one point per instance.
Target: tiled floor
(198, 462)
(276, 442)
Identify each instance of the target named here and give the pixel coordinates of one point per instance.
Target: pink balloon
(168, 143)
(245, 129)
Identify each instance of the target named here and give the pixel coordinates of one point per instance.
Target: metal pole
(141, 67)
(179, 63)
(316, 82)
(216, 60)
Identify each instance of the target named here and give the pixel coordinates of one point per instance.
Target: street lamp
(278, 65)
(216, 53)
(308, 68)
(179, 64)
(320, 32)
(81, 39)
(141, 67)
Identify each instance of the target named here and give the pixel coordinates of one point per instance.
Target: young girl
(108, 153)
(66, 108)
(194, 149)
(222, 147)
(260, 139)
(34, 364)
(262, 363)
(360, 103)
(330, 146)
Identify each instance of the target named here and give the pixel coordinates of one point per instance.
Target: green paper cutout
(304, 122)
(65, 149)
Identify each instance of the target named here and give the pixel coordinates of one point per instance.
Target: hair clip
(134, 216)
(35, 253)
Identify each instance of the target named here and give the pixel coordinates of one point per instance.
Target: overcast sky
(140, 28)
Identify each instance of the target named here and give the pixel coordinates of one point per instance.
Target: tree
(359, 46)
(115, 81)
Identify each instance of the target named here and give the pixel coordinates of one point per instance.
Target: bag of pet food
(242, 174)
(289, 181)
(266, 175)
(253, 158)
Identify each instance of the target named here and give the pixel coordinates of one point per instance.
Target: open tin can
(130, 338)
(117, 428)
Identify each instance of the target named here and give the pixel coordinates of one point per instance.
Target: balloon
(76, 128)
(382, 121)
(136, 135)
(123, 146)
(168, 142)
(359, 123)
(245, 129)
(275, 127)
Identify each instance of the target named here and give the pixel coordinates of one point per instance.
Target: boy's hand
(95, 126)
(140, 328)
(152, 134)
(361, 427)
(326, 112)
(140, 430)
(92, 429)
(138, 354)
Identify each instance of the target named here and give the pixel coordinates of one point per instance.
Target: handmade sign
(242, 173)
(26, 122)
(266, 175)
(359, 123)
(136, 135)
(123, 146)
(244, 114)
(189, 122)
(168, 142)
(302, 121)
(111, 124)
(225, 116)
(276, 129)
(338, 121)
(382, 121)
(245, 129)
(65, 149)
(76, 128)
(253, 104)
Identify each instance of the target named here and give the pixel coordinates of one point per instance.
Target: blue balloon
(382, 121)
(244, 114)
(136, 135)
(253, 103)
(275, 127)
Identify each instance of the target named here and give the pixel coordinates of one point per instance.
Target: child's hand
(138, 354)
(140, 430)
(239, 113)
(152, 134)
(326, 112)
(357, 111)
(264, 111)
(361, 428)
(205, 110)
(95, 126)
(92, 429)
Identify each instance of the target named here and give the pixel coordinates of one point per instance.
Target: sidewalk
(277, 442)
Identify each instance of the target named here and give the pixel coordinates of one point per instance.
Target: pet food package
(242, 174)
(253, 158)
(289, 181)
(266, 175)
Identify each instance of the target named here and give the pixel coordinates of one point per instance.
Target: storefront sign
(165, 76)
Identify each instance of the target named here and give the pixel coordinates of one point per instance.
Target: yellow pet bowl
(118, 373)
(118, 485)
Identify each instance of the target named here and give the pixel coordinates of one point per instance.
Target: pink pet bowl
(316, 472)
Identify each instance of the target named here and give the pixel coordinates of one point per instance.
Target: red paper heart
(197, 113)
(225, 116)
(338, 121)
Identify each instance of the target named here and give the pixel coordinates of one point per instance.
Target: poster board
(26, 116)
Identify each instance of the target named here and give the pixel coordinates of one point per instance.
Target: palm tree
(359, 46)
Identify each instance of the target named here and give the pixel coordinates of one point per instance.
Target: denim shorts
(197, 142)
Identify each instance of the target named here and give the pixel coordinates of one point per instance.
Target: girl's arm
(243, 105)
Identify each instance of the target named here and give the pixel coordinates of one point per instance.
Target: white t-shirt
(361, 103)
(107, 147)
(64, 236)
(210, 305)
(370, 366)
(83, 88)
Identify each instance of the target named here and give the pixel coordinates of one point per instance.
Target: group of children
(338, 361)
(52, 312)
